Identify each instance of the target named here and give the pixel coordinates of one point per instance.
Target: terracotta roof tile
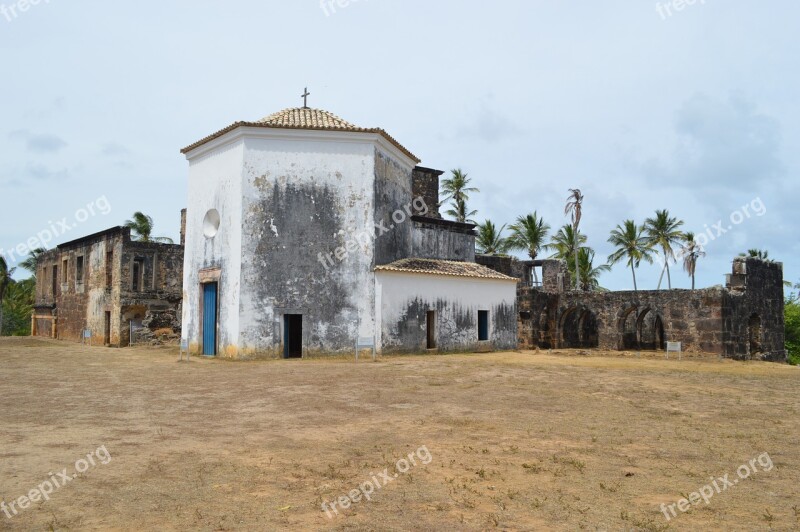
(303, 118)
(443, 267)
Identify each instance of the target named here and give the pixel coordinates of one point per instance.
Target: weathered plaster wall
(403, 300)
(215, 182)
(393, 209)
(442, 240)
(303, 200)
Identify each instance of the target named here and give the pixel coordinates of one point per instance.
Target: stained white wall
(402, 299)
(308, 165)
(215, 182)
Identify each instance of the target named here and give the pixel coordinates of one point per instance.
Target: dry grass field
(515, 441)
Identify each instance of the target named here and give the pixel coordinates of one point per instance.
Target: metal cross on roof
(305, 96)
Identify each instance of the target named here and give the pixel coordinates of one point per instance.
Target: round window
(211, 223)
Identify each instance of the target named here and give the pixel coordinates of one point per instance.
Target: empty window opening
(107, 329)
(55, 281)
(109, 268)
(483, 325)
(536, 276)
(137, 274)
(430, 326)
(79, 270)
(64, 268)
(293, 336)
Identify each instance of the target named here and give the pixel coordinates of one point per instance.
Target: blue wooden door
(210, 319)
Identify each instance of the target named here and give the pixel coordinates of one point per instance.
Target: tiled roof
(303, 118)
(443, 267)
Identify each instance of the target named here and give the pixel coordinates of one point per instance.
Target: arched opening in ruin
(570, 335)
(754, 334)
(651, 331)
(628, 329)
(579, 329)
(588, 329)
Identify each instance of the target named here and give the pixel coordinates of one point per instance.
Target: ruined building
(743, 320)
(103, 283)
(305, 233)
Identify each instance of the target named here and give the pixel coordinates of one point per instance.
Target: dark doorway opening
(430, 327)
(483, 325)
(107, 330)
(293, 336)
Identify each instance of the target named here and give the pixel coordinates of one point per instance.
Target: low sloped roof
(443, 267)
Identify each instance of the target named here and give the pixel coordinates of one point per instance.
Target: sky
(641, 105)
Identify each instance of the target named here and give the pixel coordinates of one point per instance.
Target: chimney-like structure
(183, 227)
(425, 184)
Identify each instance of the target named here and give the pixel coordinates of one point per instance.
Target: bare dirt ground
(516, 441)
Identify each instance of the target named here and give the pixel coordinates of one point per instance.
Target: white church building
(305, 232)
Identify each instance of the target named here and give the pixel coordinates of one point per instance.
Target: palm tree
(756, 254)
(631, 243)
(574, 207)
(5, 282)
(32, 261)
(663, 231)
(590, 276)
(457, 188)
(691, 251)
(459, 212)
(490, 240)
(142, 226)
(563, 242)
(529, 233)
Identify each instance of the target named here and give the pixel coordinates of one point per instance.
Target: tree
(630, 242)
(590, 275)
(460, 213)
(791, 315)
(142, 227)
(529, 233)
(756, 254)
(490, 240)
(663, 231)
(5, 282)
(32, 261)
(691, 251)
(456, 188)
(563, 243)
(574, 207)
(18, 307)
